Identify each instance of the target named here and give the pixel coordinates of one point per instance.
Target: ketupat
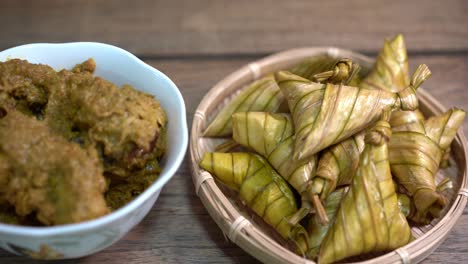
(449, 132)
(316, 229)
(338, 164)
(443, 135)
(369, 218)
(390, 71)
(261, 95)
(414, 159)
(406, 204)
(272, 136)
(311, 66)
(326, 68)
(416, 150)
(389, 75)
(336, 167)
(261, 188)
(407, 121)
(325, 114)
(344, 71)
(264, 95)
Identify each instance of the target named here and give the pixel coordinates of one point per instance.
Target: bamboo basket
(240, 225)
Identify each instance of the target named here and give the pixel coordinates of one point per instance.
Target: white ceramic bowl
(120, 67)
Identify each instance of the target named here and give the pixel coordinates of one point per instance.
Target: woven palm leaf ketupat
(325, 114)
(442, 128)
(390, 71)
(407, 121)
(325, 68)
(338, 164)
(261, 188)
(265, 96)
(252, 236)
(262, 95)
(415, 159)
(309, 67)
(369, 218)
(416, 150)
(272, 136)
(444, 135)
(317, 230)
(345, 71)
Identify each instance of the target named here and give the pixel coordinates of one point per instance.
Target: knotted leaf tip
(408, 98)
(421, 74)
(381, 132)
(343, 71)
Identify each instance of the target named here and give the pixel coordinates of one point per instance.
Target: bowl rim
(155, 187)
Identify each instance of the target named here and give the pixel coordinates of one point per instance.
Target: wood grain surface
(197, 43)
(181, 27)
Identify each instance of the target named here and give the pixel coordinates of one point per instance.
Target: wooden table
(197, 43)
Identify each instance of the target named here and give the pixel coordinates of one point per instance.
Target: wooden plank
(181, 27)
(452, 250)
(179, 230)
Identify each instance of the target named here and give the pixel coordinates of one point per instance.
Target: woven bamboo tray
(242, 227)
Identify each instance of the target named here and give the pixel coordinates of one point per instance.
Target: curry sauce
(73, 146)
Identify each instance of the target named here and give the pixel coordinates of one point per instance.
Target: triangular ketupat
(261, 95)
(325, 114)
(261, 189)
(336, 167)
(272, 136)
(369, 219)
(338, 164)
(390, 71)
(326, 68)
(316, 229)
(416, 149)
(313, 65)
(444, 136)
(443, 128)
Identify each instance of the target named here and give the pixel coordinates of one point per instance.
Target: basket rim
(250, 235)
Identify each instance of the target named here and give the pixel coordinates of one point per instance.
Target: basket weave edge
(416, 250)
